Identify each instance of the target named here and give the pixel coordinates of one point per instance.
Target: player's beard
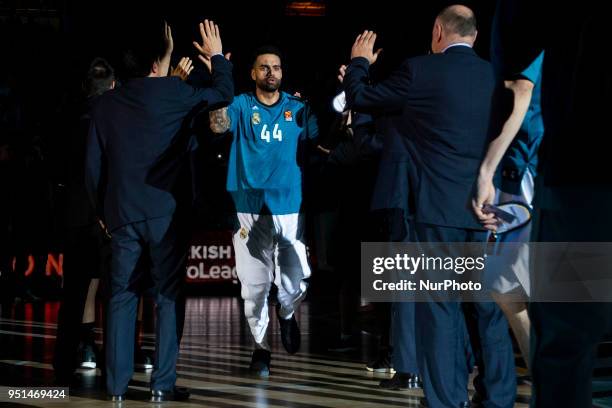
(269, 86)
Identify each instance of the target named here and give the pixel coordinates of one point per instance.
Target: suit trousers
(167, 248)
(442, 347)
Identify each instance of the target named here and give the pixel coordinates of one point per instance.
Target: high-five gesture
(364, 47)
(183, 69)
(211, 41)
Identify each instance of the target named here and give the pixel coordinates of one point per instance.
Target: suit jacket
(130, 172)
(438, 108)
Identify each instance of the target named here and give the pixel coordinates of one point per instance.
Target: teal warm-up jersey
(263, 167)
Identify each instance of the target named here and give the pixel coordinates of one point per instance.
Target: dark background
(47, 46)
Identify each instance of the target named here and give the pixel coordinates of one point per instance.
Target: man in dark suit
(134, 157)
(444, 103)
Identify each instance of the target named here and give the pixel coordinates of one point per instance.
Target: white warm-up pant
(270, 248)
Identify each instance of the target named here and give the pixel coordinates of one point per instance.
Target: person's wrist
(485, 174)
(360, 57)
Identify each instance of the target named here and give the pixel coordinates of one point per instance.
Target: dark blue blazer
(135, 143)
(438, 110)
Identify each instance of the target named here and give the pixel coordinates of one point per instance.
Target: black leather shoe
(260, 363)
(402, 381)
(290, 332)
(116, 398)
(176, 394)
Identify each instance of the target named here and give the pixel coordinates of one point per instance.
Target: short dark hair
(454, 22)
(267, 49)
(100, 77)
(144, 47)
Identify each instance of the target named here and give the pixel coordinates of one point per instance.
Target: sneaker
(260, 363)
(382, 364)
(402, 381)
(290, 332)
(143, 359)
(87, 356)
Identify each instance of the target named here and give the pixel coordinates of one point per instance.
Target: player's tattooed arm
(219, 120)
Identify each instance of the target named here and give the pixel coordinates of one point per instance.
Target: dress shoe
(290, 332)
(402, 381)
(176, 394)
(260, 363)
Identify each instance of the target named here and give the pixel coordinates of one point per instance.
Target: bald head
(454, 24)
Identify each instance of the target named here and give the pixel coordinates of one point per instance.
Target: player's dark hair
(100, 77)
(267, 49)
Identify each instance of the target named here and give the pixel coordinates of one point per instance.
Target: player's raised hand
(183, 69)
(207, 62)
(211, 40)
(364, 47)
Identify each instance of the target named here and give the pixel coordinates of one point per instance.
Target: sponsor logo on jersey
(256, 119)
(244, 233)
(255, 107)
(288, 116)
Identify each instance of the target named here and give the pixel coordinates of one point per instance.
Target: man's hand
(105, 231)
(211, 41)
(364, 47)
(208, 64)
(485, 194)
(183, 69)
(341, 73)
(164, 62)
(168, 39)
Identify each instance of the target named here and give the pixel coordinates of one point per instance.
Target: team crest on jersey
(255, 118)
(288, 116)
(244, 233)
